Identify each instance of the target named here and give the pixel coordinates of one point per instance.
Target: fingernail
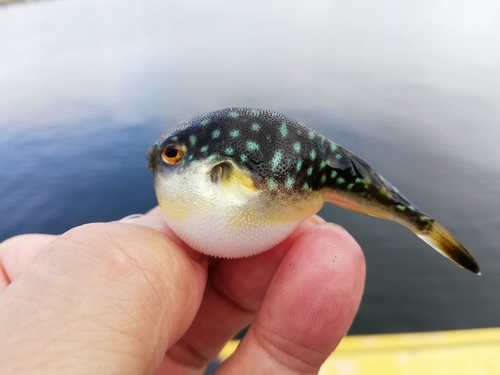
(318, 220)
(131, 217)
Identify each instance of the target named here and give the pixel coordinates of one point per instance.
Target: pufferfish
(235, 182)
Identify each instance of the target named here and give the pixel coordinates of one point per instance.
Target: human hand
(129, 297)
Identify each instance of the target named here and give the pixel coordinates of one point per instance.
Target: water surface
(413, 88)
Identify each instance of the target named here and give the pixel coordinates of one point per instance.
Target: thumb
(101, 298)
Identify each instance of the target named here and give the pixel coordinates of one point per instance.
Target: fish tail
(443, 241)
(360, 188)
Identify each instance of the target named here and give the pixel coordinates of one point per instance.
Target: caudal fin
(443, 241)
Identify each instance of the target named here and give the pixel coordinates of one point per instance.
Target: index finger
(17, 253)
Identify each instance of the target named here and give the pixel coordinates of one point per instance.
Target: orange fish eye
(171, 154)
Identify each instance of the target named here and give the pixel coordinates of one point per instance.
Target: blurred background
(86, 86)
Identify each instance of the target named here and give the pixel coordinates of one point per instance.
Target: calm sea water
(412, 87)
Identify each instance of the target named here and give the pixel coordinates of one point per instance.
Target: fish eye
(172, 154)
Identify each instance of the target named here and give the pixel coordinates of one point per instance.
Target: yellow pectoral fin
(236, 178)
(236, 186)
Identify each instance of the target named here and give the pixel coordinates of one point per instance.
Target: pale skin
(129, 297)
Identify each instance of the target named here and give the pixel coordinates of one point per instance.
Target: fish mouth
(150, 155)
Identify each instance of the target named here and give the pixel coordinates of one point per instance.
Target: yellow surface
(468, 352)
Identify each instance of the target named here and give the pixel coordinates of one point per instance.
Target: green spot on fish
(338, 156)
(313, 155)
(204, 148)
(340, 180)
(305, 186)
(234, 133)
(289, 181)
(271, 183)
(424, 218)
(400, 207)
(411, 207)
(385, 192)
(299, 165)
(310, 171)
(311, 135)
(333, 147)
(334, 174)
(296, 146)
(283, 130)
(360, 181)
(229, 151)
(192, 140)
(216, 134)
(323, 179)
(174, 138)
(205, 122)
(276, 159)
(349, 187)
(243, 158)
(252, 146)
(323, 164)
(255, 127)
(212, 157)
(233, 114)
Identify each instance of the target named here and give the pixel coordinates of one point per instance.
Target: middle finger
(234, 293)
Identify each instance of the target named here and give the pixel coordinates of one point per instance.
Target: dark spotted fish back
(286, 155)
